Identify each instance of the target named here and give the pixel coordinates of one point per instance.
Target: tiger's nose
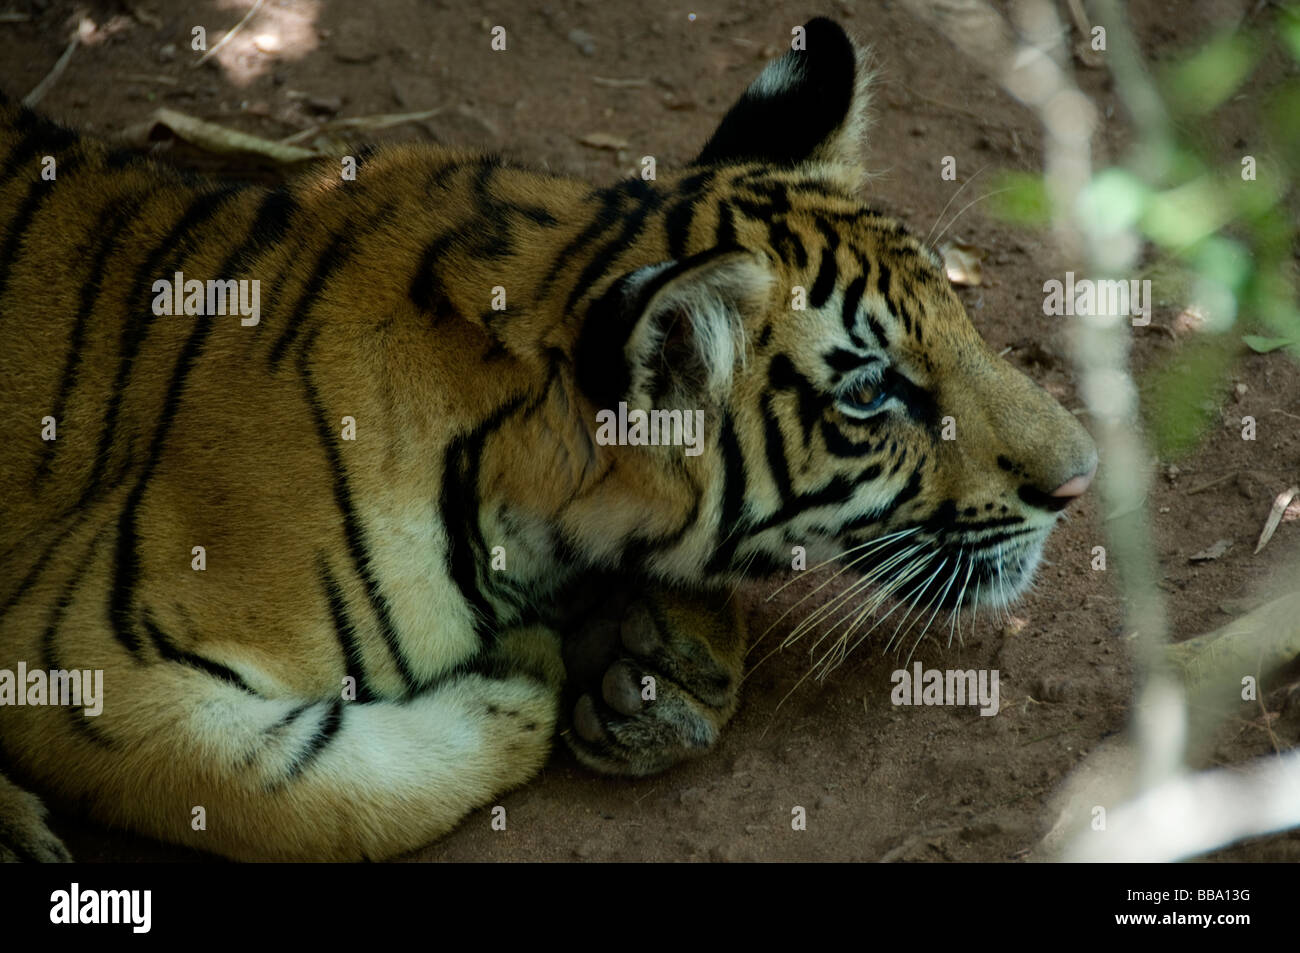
(1075, 486)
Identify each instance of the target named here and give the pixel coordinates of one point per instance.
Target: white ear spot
(777, 77)
(712, 301)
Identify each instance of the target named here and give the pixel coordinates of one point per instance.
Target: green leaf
(1113, 201)
(1182, 216)
(1225, 261)
(1182, 397)
(1289, 29)
(1204, 80)
(1283, 112)
(1262, 345)
(1021, 197)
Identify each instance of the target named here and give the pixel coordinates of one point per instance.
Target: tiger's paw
(656, 682)
(24, 835)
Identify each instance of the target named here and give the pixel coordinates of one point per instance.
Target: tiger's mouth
(911, 584)
(921, 572)
(992, 572)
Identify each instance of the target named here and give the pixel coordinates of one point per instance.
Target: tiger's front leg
(653, 674)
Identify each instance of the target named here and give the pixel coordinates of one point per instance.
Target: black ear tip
(824, 26)
(828, 60)
(827, 38)
(795, 105)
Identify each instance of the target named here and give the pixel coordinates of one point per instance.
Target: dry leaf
(213, 138)
(364, 123)
(963, 263)
(603, 140)
(1214, 552)
(1285, 508)
(1015, 625)
(1190, 320)
(615, 83)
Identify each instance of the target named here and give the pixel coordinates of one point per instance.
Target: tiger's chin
(1010, 575)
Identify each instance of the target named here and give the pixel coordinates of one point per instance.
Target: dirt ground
(877, 782)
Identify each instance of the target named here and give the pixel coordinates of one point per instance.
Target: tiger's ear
(674, 330)
(808, 106)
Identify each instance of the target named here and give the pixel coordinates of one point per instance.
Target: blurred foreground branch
(1173, 814)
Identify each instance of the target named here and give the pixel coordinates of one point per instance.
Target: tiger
(349, 564)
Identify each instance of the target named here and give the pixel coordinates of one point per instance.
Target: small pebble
(584, 41)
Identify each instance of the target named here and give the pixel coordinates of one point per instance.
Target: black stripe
(37, 568)
(21, 221)
(489, 230)
(773, 192)
(838, 490)
(942, 518)
(828, 232)
(642, 200)
(354, 533)
(140, 318)
(330, 724)
(599, 361)
(272, 224)
(677, 227)
(289, 718)
(849, 315)
(170, 652)
(425, 289)
(680, 217)
(995, 523)
(335, 255)
(725, 234)
(459, 505)
(774, 444)
(876, 328)
(841, 361)
(126, 566)
(883, 281)
(733, 497)
(607, 216)
(497, 213)
(354, 657)
(908, 492)
(782, 375)
(109, 226)
(867, 258)
(841, 446)
(825, 282)
(83, 724)
(900, 308)
(487, 235)
(37, 136)
(988, 542)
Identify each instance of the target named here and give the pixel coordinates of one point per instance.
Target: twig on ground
(43, 87)
(228, 37)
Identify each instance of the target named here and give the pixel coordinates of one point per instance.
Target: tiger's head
(849, 406)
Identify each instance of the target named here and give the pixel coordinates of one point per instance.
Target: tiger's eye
(867, 394)
(865, 398)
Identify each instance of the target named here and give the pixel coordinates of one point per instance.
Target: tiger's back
(195, 466)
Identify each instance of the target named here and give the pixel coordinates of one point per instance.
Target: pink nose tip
(1076, 485)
